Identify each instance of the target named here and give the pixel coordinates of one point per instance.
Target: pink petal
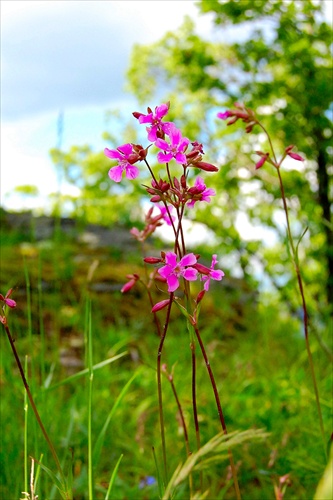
(132, 171)
(162, 144)
(152, 133)
(190, 274)
(164, 158)
(180, 158)
(126, 149)
(116, 173)
(216, 275)
(113, 154)
(146, 118)
(188, 260)
(225, 115)
(173, 283)
(161, 111)
(165, 271)
(171, 259)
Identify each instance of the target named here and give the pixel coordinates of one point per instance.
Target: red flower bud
(160, 305)
(295, 156)
(207, 167)
(200, 296)
(152, 260)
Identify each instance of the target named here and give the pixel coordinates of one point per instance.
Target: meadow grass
(103, 416)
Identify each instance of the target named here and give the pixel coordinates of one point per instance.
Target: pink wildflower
(174, 270)
(158, 127)
(199, 192)
(9, 302)
(126, 156)
(209, 273)
(176, 149)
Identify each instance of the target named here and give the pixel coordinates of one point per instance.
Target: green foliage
(282, 68)
(245, 340)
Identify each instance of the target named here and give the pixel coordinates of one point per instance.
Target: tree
(281, 68)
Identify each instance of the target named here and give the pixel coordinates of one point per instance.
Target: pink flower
(209, 273)
(126, 156)
(155, 119)
(199, 192)
(9, 302)
(174, 270)
(166, 214)
(177, 147)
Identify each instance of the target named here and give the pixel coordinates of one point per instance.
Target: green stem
(181, 414)
(33, 406)
(219, 409)
(300, 287)
(194, 403)
(159, 387)
(305, 311)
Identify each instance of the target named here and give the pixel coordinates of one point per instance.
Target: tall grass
(259, 393)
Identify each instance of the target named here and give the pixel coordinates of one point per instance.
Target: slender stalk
(194, 403)
(90, 391)
(26, 432)
(159, 387)
(305, 311)
(219, 409)
(181, 414)
(300, 286)
(33, 406)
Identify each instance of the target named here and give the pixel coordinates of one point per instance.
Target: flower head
(208, 273)
(241, 112)
(177, 147)
(157, 128)
(199, 192)
(173, 270)
(126, 156)
(7, 301)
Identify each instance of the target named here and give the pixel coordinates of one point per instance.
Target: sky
(70, 57)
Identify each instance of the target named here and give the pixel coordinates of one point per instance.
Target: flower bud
(207, 167)
(160, 305)
(295, 156)
(152, 260)
(200, 296)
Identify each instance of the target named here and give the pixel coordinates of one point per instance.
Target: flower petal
(188, 260)
(173, 283)
(132, 171)
(190, 274)
(116, 173)
(171, 259)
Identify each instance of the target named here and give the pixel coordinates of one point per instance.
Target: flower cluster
(170, 195)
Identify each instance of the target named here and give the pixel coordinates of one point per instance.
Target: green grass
(255, 348)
